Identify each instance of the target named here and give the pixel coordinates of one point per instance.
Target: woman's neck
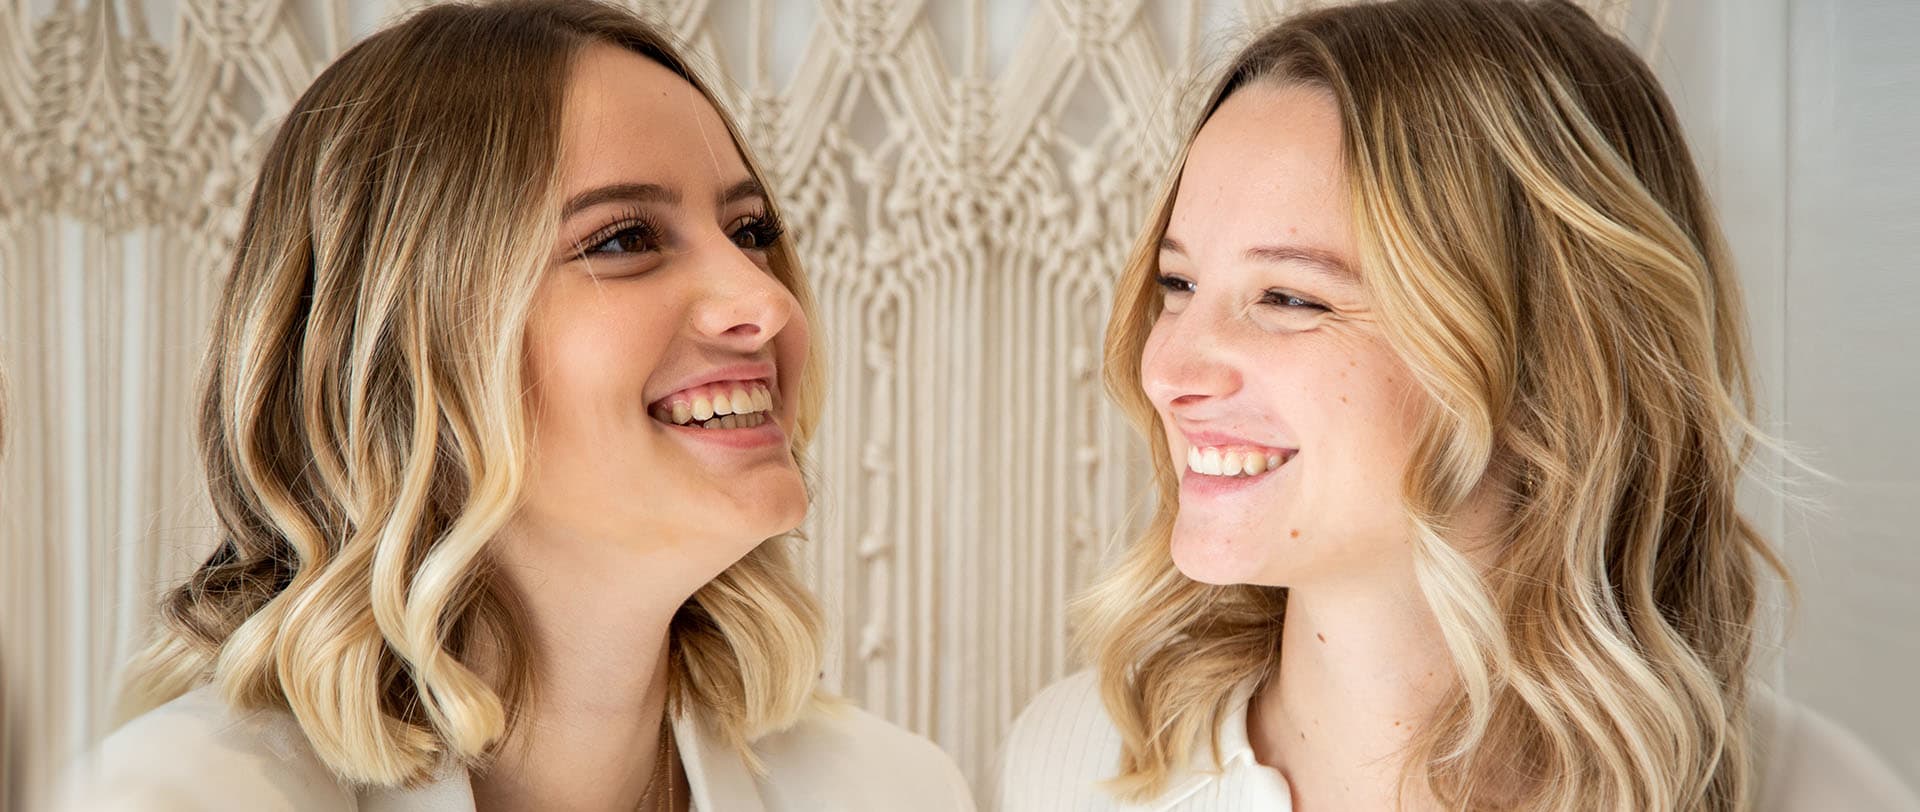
(596, 627)
(1361, 668)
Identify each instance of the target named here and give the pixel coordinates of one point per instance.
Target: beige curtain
(964, 178)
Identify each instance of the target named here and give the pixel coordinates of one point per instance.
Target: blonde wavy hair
(362, 420)
(1542, 254)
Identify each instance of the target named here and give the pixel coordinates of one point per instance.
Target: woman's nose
(744, 305)
(1186, 360)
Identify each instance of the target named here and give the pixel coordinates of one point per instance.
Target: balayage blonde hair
(362, 419)
(1542, 255)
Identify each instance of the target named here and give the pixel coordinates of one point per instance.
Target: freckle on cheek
(1343, 398)
(1293, 534)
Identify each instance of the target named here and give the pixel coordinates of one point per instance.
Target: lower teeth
(745, 421)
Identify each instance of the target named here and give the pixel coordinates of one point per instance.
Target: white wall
(1804, 113)
(1851, 377)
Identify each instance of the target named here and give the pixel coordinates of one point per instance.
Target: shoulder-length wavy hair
(1543, 256)
(362, 420)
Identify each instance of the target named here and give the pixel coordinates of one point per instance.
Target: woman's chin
(1220, 559)
(784, 519)
(771, 504)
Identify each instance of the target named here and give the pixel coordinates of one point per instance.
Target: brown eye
(1288, 301)
(758, 233)
(634, 237)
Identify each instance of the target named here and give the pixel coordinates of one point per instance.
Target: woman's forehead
(1266, 169)
(628, 118)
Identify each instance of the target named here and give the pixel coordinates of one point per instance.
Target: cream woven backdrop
(963, 177)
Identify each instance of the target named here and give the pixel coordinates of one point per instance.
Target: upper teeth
(1218, 461)
(703, 403)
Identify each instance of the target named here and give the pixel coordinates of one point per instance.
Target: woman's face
(663, 354)
(1288, 417)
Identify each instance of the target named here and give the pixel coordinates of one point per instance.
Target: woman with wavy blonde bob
(502, 422)
(1442, 363)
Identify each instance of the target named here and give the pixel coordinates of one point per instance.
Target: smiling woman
(505, 479)
(1442, 363)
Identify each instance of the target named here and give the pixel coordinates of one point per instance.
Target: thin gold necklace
(662, 768)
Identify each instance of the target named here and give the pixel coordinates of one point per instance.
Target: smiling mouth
(1237, 461)
(723, 405)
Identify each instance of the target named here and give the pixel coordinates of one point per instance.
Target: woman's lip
(758, 370)
(1215, 439)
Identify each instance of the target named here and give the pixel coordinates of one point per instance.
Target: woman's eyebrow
(1325, 262)
(1320, 260)
(744, 190)
(652, 193)
(619, 192)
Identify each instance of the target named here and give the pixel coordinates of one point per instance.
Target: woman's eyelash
(1280, 298)
(638, 234)
(631, 226)
(1277, 298)
(1174, 284)
(762, 230)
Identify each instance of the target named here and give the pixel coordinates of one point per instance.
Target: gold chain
(662, 768)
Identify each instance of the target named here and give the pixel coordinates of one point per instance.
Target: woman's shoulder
(1061, 747)
(1069, 711)
(1809, 762)
(839, 756)
(198, 753)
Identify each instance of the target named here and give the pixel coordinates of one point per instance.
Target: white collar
(1236, 751)
(720, 780)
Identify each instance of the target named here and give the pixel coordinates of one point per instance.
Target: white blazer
(195, 753)
(1064, 745)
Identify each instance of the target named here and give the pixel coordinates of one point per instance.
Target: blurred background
(964, 178)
